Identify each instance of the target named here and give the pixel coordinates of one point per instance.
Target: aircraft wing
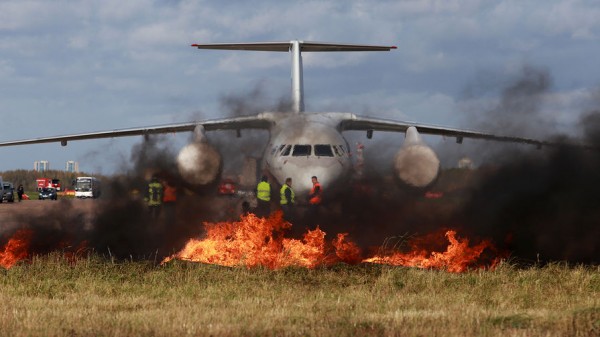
(234, 123)
(377, 124)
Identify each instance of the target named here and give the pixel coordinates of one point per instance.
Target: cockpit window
(336, 150)
(286, 150)
(323, 150)
(301, 150)
(273, 150)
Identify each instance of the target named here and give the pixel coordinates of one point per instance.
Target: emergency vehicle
(47, 182)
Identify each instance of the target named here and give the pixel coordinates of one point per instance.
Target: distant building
(72, 166)
(41, 165)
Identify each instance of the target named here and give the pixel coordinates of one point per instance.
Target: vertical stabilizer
(297, 81)
(296, 48)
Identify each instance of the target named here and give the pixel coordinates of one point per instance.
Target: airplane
(301, 144)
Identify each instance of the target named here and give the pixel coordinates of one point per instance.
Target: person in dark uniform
(20, 192)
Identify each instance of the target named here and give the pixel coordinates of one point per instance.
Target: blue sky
(78, 66)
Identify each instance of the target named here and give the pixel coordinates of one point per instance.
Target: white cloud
(5, 68)
(64, 58)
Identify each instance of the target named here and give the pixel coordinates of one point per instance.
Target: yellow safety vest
(282, 194)
(263, 191)
(155, 192)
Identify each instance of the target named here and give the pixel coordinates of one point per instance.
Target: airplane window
(273, 150)
(323, 150)
(286, 151)
(301, 150)
(280, 148)
(335, 149)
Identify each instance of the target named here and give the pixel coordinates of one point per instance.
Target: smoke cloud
(120, 225)
(536, 205)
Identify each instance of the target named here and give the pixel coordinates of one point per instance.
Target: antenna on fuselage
(296, 47)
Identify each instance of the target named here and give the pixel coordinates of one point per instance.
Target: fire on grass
(254, 241)
(19, 248)
(16, 249)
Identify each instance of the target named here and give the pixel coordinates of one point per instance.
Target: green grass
(51, 296)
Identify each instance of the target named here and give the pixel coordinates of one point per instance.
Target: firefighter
(287, 198)
(154, 197)
(314, 200)
(263, 197)
(169, 199)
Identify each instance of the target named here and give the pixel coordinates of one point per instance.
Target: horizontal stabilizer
(305, 46)
(296, 48)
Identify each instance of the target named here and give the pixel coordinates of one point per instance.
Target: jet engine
(416, 164)
(199, 162)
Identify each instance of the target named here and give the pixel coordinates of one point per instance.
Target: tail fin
(296, 47)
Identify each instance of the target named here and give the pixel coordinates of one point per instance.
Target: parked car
(48, 193)
(8, 193)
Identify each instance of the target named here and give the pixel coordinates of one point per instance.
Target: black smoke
(533, 204)
(119, 223)
(250, 143)
(538, 204)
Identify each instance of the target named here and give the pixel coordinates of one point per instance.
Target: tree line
(28, 177)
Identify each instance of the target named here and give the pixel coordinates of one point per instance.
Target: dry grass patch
(95, 297)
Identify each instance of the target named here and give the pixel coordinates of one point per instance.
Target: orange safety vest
(316, 198)
(169, 194)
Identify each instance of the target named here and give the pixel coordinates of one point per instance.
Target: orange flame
(346, 251)
(457, 258)
(255, 241)
(16, 249)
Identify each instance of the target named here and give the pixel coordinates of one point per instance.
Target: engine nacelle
(199, 163)
(416, 164)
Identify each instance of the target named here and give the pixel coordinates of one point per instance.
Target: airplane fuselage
(306, 145)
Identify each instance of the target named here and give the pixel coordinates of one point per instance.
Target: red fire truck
(47, 182)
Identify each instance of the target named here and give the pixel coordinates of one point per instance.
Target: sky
(79, 66)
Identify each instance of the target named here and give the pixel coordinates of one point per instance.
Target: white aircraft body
(301, 144)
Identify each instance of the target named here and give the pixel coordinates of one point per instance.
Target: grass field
(53, 296)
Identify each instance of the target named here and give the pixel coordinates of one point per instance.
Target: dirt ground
(13, 213)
